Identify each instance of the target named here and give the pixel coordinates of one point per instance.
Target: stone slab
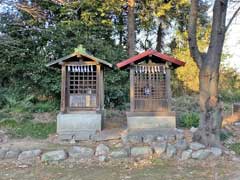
(151, 121)
(80, 125)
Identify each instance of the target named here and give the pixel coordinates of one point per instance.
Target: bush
(26, 128)
(189, 120)
(236, 148)
(44, 106)
(230, 95)
(224, 135)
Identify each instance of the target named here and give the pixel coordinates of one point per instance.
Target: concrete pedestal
(150, 120)
(81, 125)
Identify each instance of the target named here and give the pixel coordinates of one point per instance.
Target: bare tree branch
(59, 1)
(192, 33)
(232, 18)
(34, 11)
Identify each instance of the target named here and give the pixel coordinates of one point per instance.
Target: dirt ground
(162, 169)
(159, 169)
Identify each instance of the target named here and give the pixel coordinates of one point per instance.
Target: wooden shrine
(82, 95)
(150, 91)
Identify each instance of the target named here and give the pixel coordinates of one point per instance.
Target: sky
(232, 41)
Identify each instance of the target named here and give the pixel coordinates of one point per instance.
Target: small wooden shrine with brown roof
(150, 91)
(82, 95)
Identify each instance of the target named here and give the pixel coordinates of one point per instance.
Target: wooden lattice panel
(150, 88)
(82, 86)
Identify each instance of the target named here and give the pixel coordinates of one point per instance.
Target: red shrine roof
(159, 56)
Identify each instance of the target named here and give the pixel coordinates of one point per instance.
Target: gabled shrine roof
(158, 56)
(57, 62)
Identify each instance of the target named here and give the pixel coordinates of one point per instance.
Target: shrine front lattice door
(82, 87)
(149, 83)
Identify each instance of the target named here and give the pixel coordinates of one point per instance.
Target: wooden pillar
(132, 100)
(168, 88)
(101, 88)
(98, 93)
(63, 89)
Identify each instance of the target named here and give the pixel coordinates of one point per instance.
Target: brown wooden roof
(163, 57)
(57, 63)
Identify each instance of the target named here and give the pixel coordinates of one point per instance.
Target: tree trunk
(209, 128)
(159, 38)
(208, 63)
(131, 28)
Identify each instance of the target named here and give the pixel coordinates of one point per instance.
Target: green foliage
(224, 135)
(45, 106)
(80, 49)
(236, 148)
(189, 120)
(230, 95)
(229, 85)
(21, 129)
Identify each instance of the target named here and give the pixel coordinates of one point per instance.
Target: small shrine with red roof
(150, 90)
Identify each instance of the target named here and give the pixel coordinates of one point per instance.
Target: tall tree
(208, 63)
(131, 28)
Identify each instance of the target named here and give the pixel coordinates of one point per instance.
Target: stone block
(144, 151)
(201, 154)
(141, 121)
(171, 151)
(159, 148)
(196, 146)
(12, 154)
(81, 125)
(54, 156)
(101, 150)
(78, 152)
(31, 154)
(120, 153)
(186, 154)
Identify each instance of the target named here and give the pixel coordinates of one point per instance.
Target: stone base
(149, 120)
(81, 125)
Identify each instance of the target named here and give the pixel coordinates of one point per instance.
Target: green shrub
(230, 95)
(26, 128)
(224, 135)
(44, 106)
(189, 120)
(236, 148)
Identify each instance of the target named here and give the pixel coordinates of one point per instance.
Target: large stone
(145, 121)
(180, 134)
(171, 151)
(186, 154)
(29, 154)
(148, 139)
(201, 154)
(181, 145)
(103, 158)
(193, 129)
(80, 125)
(121, 153)
(196, 146)
(160, 138)
(135, 139)
(216, 151)
(159, 148)
(3, 152)
(54, 156)
(144, 151)
(12, 154)
(171, 138)
(124, 138)
(102, 149)
(80, 152)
